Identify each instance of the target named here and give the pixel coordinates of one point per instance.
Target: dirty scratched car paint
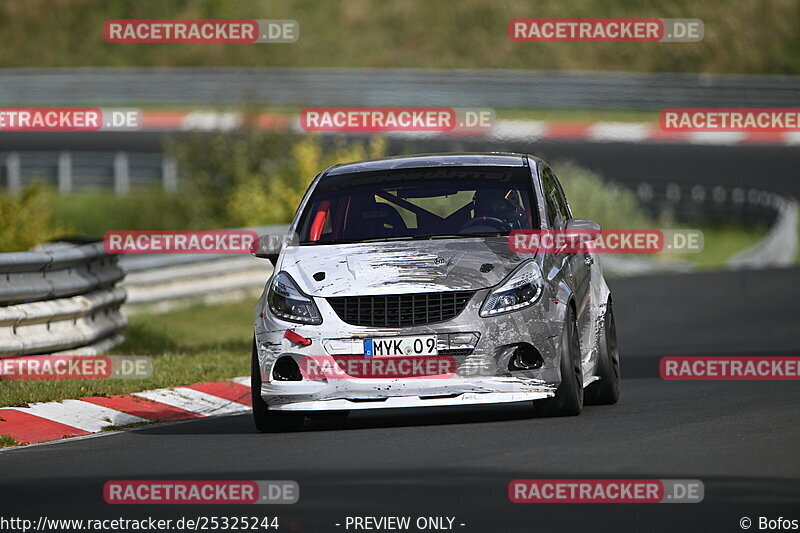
(410, 238)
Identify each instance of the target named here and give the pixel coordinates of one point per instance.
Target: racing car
(396, 287)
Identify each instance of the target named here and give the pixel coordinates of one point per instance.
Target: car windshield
(419, 203)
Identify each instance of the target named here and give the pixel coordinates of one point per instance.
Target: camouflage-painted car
(399, 261)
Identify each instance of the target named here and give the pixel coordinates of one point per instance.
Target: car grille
(400, 310)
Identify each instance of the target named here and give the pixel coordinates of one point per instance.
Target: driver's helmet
(494, 203)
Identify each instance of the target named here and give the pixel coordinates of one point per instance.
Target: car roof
(499, 159)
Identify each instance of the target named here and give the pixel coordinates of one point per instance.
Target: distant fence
(376, 87)
(69, 171)
(709, 205)
(779, 247)
(62, 298)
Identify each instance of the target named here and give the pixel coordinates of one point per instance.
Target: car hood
(396, 267)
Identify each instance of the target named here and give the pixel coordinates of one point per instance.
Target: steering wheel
(486, 221)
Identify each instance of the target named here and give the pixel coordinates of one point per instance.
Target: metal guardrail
(202, 281)
(60, 298)
(779, 247)
(709, 205)
(158, 283)
(376, 87)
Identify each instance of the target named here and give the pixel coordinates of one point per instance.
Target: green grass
(741, 36)
(592, 197)
(188, 346)
(797, 256)
(93, 212)
(721, 243)
(6, 442)
(26, 218)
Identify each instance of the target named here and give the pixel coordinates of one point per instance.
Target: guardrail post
(64, 172)
(169, 173)
(13, 177)
(121, 179)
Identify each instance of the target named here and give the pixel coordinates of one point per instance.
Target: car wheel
(605, 391)
(568, 400)
(269, 421)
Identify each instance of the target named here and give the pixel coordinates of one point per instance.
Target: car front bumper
(482, 375)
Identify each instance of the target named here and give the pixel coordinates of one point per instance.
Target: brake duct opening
(286, 369)
(525, 357)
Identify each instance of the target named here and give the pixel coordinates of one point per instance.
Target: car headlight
(287, 302)
(521, 290)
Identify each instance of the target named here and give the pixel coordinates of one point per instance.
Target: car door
(576, 263)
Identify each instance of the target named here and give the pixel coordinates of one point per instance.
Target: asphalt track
(770, 167)
(739, 438)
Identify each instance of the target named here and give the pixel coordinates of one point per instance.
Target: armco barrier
(706, 205)
(717, 205)
(158, 283)
(61, 298)
(779, 246)
(203, 280)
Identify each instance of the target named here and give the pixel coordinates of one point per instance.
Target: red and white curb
(43, 422)
(503, 130)
(628, 132)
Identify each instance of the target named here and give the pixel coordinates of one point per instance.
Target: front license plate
(399, 346)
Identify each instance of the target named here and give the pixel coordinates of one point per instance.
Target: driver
(494, 203)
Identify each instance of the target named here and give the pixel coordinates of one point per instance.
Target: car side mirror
(267, 247)
(582, 225)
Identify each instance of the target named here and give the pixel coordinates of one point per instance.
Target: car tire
(269, 421)
(568, 400)
(605, 391)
